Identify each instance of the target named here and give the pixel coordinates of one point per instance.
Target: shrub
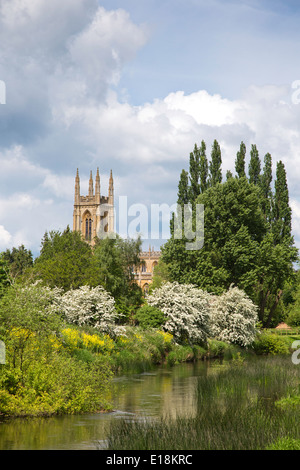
(293, 318)
(90, 306)
(269, 343)
(186, 309)
(150, 317)
(233, 317)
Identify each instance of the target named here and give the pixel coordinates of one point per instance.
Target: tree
(4, 276)
(186, 309)
(265, 183)
(282, 213)
(160, 275)
(194, 172)
(240, 161)
(92, 307)
(183, 188)
(18, 261)
(215, 165)
(65, 260)
(203, 168)
(254, 166)
(238, 248)
(114, 261)
(234, 317)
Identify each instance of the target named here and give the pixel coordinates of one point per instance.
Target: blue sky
(132, 86)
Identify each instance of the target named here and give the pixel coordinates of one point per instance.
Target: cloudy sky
(131, 86)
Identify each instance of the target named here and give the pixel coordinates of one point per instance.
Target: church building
(93, 215)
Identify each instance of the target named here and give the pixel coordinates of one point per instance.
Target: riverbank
(246, 404)
(71, 373)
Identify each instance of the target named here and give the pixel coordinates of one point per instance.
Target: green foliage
(270, 343)
(265, 184)
(254, 166)
(113, 260)
(293, 318)
(65, 260)
(282, 213)
(160, 275)
(4, 277)
(183, 188)
(68, 262)
(215, 171)
(246, 240)
(240, 161)
(194, 174)
(149, 317)
(18, 260)
(203, 168)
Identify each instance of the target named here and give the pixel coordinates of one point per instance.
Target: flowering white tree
(233, 317)
(186, 308)
(90, 306)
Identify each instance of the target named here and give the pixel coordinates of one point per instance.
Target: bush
(293, 318)
(90, 306)
(186, 309)
(269, 343)
(233, 318)
(150, 317)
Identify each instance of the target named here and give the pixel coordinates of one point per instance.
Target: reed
(236, 410)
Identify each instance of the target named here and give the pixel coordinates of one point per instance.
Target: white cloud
(5, 238)
(60, 62)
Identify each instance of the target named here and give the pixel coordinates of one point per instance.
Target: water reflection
(165, 391)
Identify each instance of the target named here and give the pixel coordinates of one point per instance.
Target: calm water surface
(164, 391)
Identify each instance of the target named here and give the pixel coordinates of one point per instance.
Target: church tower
(93, 215)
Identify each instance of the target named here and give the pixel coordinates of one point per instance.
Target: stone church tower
(93, 214)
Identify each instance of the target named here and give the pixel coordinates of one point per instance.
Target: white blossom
(90, 306)
(233, 317)
(186, 308)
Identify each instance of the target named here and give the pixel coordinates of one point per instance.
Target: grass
(237, 410)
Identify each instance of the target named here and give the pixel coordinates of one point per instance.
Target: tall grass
(236, 410)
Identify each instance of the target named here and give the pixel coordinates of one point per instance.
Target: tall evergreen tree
(240, 161)
(282, 213)
(265, 184)
(194, 174)
(203, 168)
(254, 166)
(183, 188)
(215, 165)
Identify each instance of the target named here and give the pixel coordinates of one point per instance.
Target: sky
(131, 86)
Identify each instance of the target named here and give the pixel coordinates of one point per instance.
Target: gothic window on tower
(88, 229)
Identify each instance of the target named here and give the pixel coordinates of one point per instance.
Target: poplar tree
(254, 166)
(203, 168)
(240, 161)
(183, 188)
(282, 213)
(265, 184)
(248, 237)
(215, 165)
(194, 171)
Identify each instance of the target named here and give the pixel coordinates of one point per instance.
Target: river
(160, 392)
